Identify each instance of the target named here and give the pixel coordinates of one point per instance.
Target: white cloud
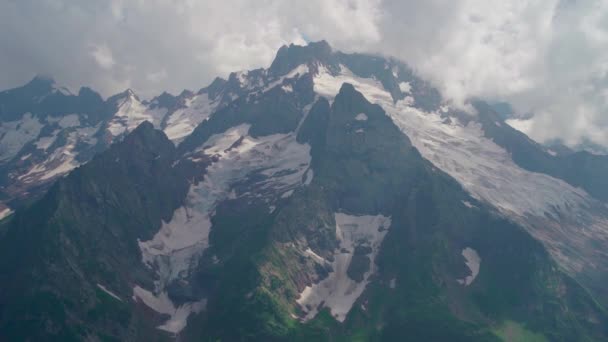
(544, 56)
(157, 76)
(103, 56)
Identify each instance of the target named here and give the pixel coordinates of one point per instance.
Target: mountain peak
(166, 100)
(288, 57)
(151, 138)
(40, 84)
(41, 79)
(129, 93)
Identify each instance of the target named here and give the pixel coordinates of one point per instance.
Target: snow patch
(5, 213)
(70, 120)
(298, 71)
(242, 76)
(361, 117)
(338, 292)
(472, 261)
(328, 85)
(309, 176)
(131, 113)
(315, 256)
(163, 305)
(287, 194)
(287, 88)
(45, 142)
(179, 244)
(468, 204)
(405, 87)
(14, 135)
(183, 121)
(63, 158)
(522, 125)
(112, 294)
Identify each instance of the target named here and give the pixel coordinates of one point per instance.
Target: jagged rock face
(82, 240)
(45, 131)
(330, 196)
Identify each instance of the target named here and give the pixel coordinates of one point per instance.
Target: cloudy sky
(547, 57)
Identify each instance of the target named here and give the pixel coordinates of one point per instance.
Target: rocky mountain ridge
(331, 196)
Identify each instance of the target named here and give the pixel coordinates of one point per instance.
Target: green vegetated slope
(84, 232)
(374, 171)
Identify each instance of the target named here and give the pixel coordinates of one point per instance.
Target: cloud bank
(546, 57)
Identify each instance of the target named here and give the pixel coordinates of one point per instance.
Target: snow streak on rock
(112, 294)
(338, 291)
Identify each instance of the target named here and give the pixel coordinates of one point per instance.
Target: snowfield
(131, 113)
(489, 174)
(338, 291)
(278, 159)
(63, 158)
(277, 162)
(183, 121)
(14, 135)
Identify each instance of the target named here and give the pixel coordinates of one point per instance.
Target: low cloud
(546, 57)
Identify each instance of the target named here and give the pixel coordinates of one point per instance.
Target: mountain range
(328, 197)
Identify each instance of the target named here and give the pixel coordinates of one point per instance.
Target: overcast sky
(548, 57)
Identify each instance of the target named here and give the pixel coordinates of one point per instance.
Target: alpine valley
(329, 197)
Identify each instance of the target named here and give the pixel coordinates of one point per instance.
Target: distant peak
(321, 46)
(215, 87)
(348, 90)
(124, 95)
(289, 57)
(185, 93)
(42, 79)
(350, 97)
(144, 126)
(41, 83)
(165, 100)
(347, 87)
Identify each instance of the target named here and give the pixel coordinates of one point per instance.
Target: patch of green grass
(511, 331)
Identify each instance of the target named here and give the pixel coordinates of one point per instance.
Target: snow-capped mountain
(46, 131)
(329, 196)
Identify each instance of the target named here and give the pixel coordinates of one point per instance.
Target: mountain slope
(330, 197)
(414, 227)
(82, 239)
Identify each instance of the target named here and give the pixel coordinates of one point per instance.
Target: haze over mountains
(330, 196)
